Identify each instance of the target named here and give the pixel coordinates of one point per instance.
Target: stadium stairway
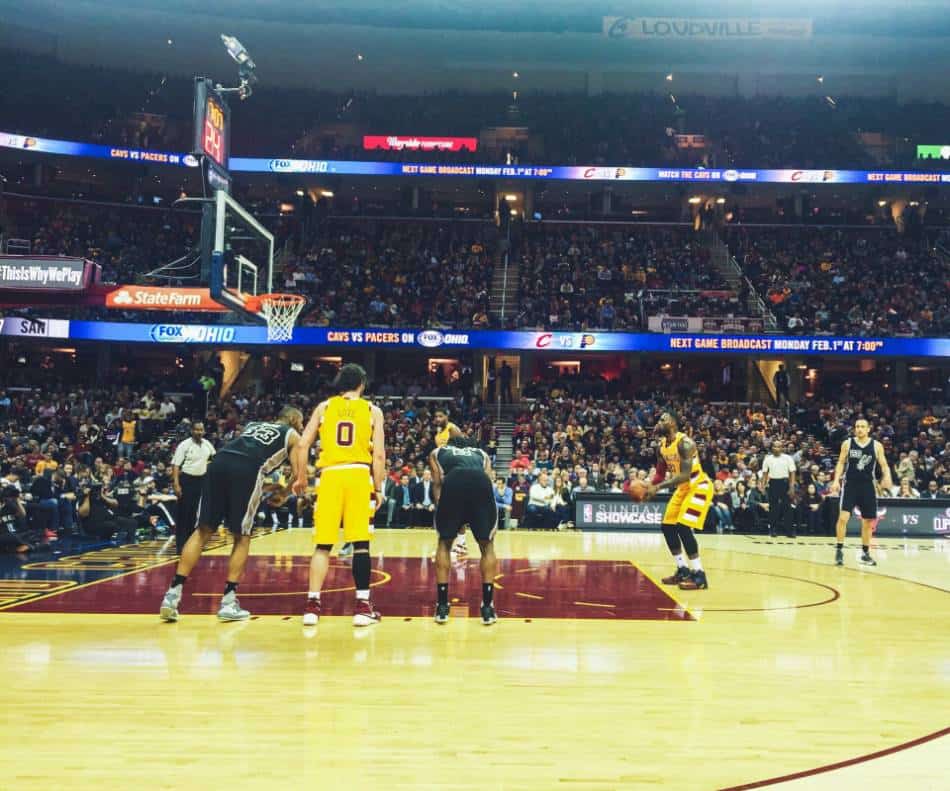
(505, 426)
(732, 273)
(504, 290)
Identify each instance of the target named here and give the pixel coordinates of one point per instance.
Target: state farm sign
(155, 298)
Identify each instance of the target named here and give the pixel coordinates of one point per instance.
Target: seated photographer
(98, 511)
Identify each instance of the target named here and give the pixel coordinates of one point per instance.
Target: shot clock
(212, 126)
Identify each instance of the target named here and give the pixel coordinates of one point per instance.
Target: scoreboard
(212, 141)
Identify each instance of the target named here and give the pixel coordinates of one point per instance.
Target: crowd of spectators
(389, 273)
(43, 96)
(566, 443)
(865, 282)
(94, 461)
(394, 274)
(592, 278)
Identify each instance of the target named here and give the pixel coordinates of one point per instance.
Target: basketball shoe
(681, 575)
(867, 560)
(839, 557)
(169, 609)
(311, 612)
(441, 613)
(230, 609)
(365, 615)
(697, 581)
(488, 614)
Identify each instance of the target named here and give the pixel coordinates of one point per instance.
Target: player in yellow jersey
(687, 508)
(351, 467)
(446, 430)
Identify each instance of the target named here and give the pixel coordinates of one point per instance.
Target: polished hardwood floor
(787, 670)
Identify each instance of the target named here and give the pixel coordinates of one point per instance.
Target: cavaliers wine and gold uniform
(691, 501)
(344, 483)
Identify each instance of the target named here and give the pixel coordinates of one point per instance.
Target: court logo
(588, 512)
(544, 340)
(942, 522)
(587, 341)
(191, 333)
(430, 339)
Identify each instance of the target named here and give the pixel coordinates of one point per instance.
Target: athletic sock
(866, 548)
(488, 592)
(230, 587)
(179, 580)
(442, 592)
(680, 560)
(362, 595)
(697, 564)
(839, 546)
(313, 595)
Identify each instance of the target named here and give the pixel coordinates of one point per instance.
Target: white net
(281, 311)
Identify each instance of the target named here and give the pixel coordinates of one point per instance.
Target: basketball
(637, 491)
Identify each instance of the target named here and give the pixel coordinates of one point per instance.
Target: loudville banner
(717, 29)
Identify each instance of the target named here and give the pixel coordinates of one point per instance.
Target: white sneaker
(230, 609)
(459, 547)
(169, 609)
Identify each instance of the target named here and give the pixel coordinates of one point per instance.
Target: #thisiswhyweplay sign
(36, 273)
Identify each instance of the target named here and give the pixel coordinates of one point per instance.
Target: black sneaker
(488, 614)
(442, 613)
(867, 560)
(839, 557)
(697, 581)
(681, 575)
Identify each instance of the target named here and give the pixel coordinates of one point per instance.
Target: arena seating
(866, 282)
(49, 98)
(576, 277)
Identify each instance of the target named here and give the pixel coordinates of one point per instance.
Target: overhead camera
(246, 67)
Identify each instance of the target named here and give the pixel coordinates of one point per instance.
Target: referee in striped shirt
(778, 473)
(189, 465)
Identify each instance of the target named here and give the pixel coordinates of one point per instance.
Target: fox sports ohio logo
(184, 333)
(430, 339)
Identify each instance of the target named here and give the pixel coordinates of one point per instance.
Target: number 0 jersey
(346, 433)
(670, 454)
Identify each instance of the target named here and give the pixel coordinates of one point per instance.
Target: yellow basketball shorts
(689, 505)
(344, 496)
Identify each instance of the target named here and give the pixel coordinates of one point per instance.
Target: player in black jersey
(858, 462)
(462, 490)
(231, 494)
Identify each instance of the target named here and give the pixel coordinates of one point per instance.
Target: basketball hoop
(280, 311)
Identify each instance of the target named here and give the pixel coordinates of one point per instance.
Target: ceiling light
(329, 193)
(669, 77)
(300, 193)
(511, 197)
(515, 75)
(882, 203)
(695, 199)
(720, 201)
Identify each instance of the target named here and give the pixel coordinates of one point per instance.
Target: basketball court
(788, 671)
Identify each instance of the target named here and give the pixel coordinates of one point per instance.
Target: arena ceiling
(397, 46)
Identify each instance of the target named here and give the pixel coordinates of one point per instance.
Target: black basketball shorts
(467, 499)
(863, 497)
(231, 493)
